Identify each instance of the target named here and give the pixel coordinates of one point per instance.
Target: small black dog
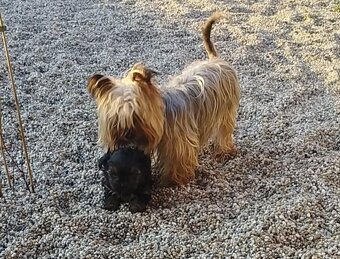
(127, 178)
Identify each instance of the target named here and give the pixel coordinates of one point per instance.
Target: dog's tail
(206, 30)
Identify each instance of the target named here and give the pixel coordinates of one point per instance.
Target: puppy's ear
(114, 170)
(102, 162)
(142, 73)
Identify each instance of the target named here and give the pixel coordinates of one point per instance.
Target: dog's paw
(233, 151)
(147, 197)
(225, 155)
(166, 182)
(222, 157)
(137, 206)
(111, 203)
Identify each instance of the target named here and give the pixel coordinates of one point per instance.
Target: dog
(127, 178)
(173, 121)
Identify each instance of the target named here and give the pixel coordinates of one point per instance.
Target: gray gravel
(278, 198)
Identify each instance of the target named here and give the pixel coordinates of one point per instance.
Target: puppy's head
(125, 171)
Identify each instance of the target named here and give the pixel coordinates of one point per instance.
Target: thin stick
(5, 151)
(1, 194)
(17, 166)
(2, 144)
(22, 134)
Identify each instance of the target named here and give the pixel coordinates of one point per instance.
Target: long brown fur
(125, 113)
(175, 120)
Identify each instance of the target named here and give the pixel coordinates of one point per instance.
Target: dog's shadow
(209, 179)
(237, 180)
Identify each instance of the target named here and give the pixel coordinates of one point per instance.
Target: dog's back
(200, 103)
(204, 91)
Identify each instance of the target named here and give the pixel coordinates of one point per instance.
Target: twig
(2, 145)
(22, 134)
(1, 194)
(18, 168)
(5, 151)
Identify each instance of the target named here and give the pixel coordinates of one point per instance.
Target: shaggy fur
(173, 121)
(130, 110)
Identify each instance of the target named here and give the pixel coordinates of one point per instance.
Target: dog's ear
(102, 162)
(99, 85)
(92, 83)
(94, 79)
(113, 171)
(142, 73)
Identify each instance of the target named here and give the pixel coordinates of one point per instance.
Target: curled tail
(206, 30)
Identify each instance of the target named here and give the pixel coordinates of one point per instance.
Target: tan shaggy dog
(173, 121)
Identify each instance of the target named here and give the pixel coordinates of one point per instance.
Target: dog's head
(130, 110)
(126, 171)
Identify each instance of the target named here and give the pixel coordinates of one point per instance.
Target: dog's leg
(224, 143)
(178, 159)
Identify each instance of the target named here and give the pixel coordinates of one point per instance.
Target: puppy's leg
(137, 204)
(111, 202)
(141, 198)
(111, 199)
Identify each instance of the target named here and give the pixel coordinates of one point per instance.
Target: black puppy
(127, 178)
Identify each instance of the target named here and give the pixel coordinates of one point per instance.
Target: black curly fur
(127, 178)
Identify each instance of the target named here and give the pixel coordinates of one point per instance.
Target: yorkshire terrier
(127, 178)
(173, 121)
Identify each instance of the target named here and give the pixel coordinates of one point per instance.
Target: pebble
(278, 198)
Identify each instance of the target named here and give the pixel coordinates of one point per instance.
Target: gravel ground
(280, 197)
